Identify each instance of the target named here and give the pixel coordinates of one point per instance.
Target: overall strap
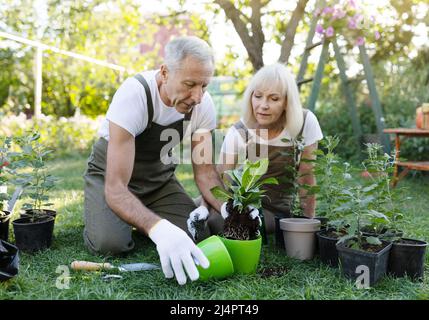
(305, 112)
(143, 81)
(243, 131)
(188, 115)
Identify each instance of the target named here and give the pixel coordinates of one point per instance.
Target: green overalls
(152, 181)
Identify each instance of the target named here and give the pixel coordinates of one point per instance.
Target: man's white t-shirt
(234, 143)
(128, 109)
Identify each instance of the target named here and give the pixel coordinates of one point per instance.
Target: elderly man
(129, 181)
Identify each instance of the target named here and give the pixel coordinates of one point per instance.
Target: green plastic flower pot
(220, 261)
(244, 254)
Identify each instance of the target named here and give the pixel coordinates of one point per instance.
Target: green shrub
(66, 136)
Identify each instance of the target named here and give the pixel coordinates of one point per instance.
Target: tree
(250, 29)
(105, 30)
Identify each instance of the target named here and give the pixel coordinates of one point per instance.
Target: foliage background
(115, 31)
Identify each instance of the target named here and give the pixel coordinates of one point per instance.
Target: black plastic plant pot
(9, 260)
(33, 236)
(327, 248)
(353, 262)
(4, 225)
(407, 258)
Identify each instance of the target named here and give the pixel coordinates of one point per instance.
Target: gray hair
(180, 48)
(275, 76)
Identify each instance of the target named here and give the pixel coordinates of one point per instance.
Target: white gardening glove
(197, 221)
(223, 211)
(176, 250)
(254, 213)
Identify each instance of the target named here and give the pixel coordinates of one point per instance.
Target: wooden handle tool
(90, 266)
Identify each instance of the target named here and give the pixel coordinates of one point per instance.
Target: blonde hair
(275, 76)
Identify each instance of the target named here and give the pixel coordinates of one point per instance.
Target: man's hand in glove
(176, 250)
(197, 221)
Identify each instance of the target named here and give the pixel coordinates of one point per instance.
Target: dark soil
(239, 226)
(372, 248)
(35, 219)
(332, 234)
(273, 271)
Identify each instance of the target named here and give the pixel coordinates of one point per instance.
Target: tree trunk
(250, 30)
(288, 41)
(253, 39)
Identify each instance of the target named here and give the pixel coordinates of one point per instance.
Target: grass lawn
(304, 280)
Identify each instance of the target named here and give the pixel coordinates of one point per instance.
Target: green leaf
(345, 238)
(253, 173)
(48, 204)
(373, 240)
(270, 180)
(378, 215)
(369, 188)
(220, 193)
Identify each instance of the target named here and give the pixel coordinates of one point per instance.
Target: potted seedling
(241, 233)
(297, 234)
(355, 249)
(34, 229)
(332, 174)
(293, 174)
(407, 256)
(5, 143)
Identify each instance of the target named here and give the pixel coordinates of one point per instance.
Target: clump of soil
(330, 233)
(273, 271)
(371, 247)
(239, 226)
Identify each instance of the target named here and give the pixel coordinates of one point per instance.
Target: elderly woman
(275, 126)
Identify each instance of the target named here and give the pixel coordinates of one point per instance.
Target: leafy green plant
(332, 175)
(243, 189)
(246, 187)
(5, 144)
(292, 171)
(358, 202)
(379, 167)
(66, 136)
(365, 201)
(36, 182)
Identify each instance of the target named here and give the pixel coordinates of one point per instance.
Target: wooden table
(407, 165)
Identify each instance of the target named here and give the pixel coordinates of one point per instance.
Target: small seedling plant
(366, 202)
(5, 172)
(380, 168)
(35, 180)
(332, 176)
(292, 171)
